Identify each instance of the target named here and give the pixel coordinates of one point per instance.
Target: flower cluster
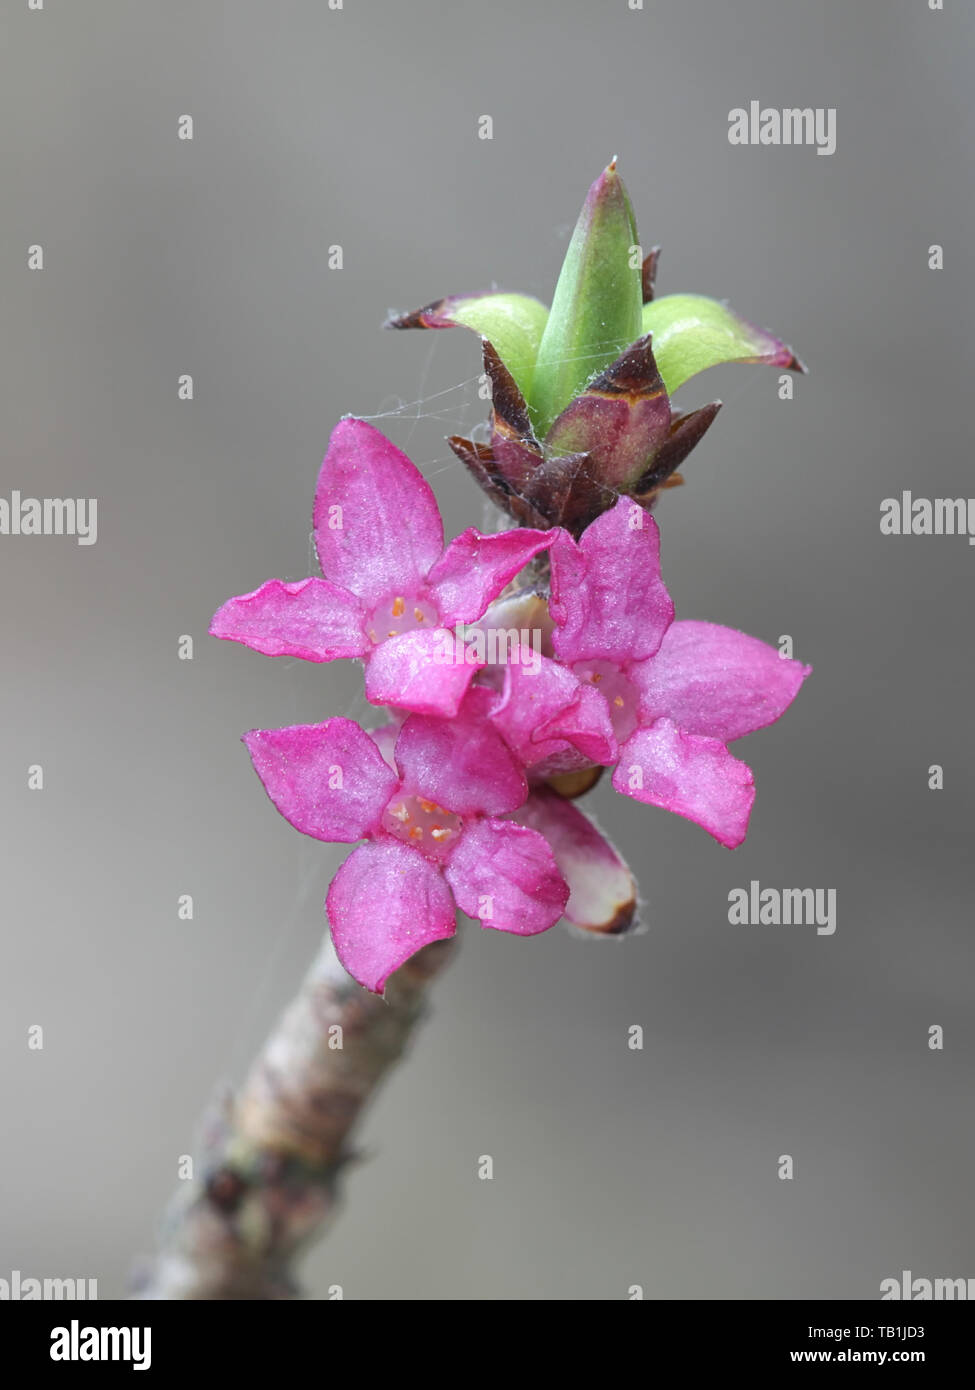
(463, 799)
(457, 798)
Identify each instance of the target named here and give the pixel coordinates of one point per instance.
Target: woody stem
(270, 1172)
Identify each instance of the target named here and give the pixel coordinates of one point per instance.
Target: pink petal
(462, 764)
(384, 904)
(377, 526)
(412, 672)
(474, 569)
(505, 876)
(608, 599)
(602, 891)
(688, 774)
(311, 619)
(538, 715)
(588, 726)
(384, 737)
(329, 780)
(716, 681)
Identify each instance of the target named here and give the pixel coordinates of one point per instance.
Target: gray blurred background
(314, 127)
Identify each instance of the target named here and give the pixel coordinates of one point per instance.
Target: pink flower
(674, 694)
(390, 591)
(434, 831)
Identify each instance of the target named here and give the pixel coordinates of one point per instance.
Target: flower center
(620, 693)
(422, 823)
(400, 614)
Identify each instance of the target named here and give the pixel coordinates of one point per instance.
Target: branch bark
(274, 1155)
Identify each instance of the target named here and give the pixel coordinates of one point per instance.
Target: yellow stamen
(399, 607)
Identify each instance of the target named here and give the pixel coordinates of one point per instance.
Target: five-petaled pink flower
(671, 695)
(391, 592)
(433, 827)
